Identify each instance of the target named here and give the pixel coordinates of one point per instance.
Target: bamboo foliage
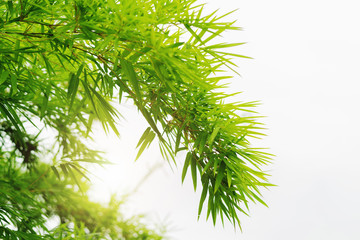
(62, 63)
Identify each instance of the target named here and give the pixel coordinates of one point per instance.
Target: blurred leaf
(56, 172)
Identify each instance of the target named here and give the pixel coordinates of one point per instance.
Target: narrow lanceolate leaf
(76, 167)
(13, 85)
(73, 85)
(193, 33)
(229, 178)
(144, 135)
(4, 75)
(146, 143)
(203, 195)
(219, 176)
(202, 142)
(45, 101)
(138, 54)
(186, 165)
(9, 113)
(56, 172)
(193, 171)
(223, 45)
(177, 141)
(64, 168)
(131, 75)
(151, 122)
(213, 135)
(73, 176)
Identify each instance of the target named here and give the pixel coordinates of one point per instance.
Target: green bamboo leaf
(131, 75)
(143, 136)
(219, 176)
(150, 137)
(203, 195)
(45, 101)
(135, 57)
(175, 45)
(229, 177)
(13, 85)
(56, 172)
(49, 68)
(223, 45)
(106, 112)
(9, 113)
(151, 122)
(178, 137)
(4, 75)
(187, 26)
(72, 88)
(213, 135)
(202, 142)
(10, 7)
(215, 208)
(72, 175)
(79, 171)
(212, 36)
(186, 165)
(207, 166)
(159, 69)
(193, 171)
(259, 199)
(64, 168)
(88, 94)
(210, 204)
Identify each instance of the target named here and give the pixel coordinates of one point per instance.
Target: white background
(306, 73)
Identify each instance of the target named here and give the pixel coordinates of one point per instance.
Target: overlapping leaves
(63, 62)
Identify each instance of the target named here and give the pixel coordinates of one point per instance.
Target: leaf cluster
(64, 63)
(31, 201)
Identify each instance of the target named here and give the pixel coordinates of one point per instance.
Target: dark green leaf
(56, 172)
(186, 165)
(219, 176)
(193, 171)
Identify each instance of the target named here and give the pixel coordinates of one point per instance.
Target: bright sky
(306, 73)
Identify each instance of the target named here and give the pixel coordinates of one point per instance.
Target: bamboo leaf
(79, 171)
(131, 75)
(223, 45)
(151, 122)
(72, 175)
(213, 135)
(186, 165)
(219, 176)
(203, 195)
(143, 136)
(56, 172)
(193, 171)
(9, 113)
(149, 138)
(73, 85)
(45, 101)
(4, 75)
(187, 26)
(13, 85)
(64, 168)
(229, 177)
